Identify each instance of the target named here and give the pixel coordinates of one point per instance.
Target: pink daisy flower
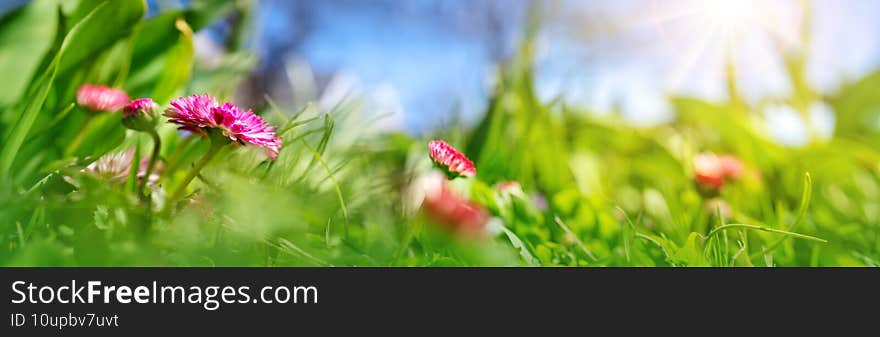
(708, 170)
(193, 113)
(201, 114)
(115, 167)
(101, 98)
(712, 171)
(451, 160)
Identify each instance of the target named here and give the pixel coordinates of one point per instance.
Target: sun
(730, 15)
(704, 32)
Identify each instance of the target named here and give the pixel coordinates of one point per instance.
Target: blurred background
(425, 64)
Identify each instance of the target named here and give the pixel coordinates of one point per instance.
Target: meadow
(85, 181)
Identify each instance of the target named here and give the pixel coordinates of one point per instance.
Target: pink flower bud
(140, 115)
(101, 98)
(140, 106)
(450, 160)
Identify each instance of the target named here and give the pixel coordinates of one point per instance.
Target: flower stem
(178, 193)
(178, 152)
(157, 146)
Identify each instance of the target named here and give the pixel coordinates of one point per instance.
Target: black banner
(118, 301)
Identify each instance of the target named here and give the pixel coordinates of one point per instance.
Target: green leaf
(155, 36)
(205, 12)
(178, 64)
(107, 23)
(152, 43)
(162, 55)
(690, 254)
(520, 247)
(82, 9)
(20, 129)
(26, 35)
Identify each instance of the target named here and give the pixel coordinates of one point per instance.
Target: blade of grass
(23, 125)
(718, 229)
(654, 241)
(327, 130)
(288, 246)
(292, 124)
(329, 126)
(39, 215)
(20, 234)
(320, 160)
(576, 240)
(520, 246)
(714, 242)
(628, 231)
(289, 122)
(801, 213)
(408, 236)
(58, 117)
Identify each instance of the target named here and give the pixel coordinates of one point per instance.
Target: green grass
(596, 190)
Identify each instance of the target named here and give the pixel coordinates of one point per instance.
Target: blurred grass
(596, 191)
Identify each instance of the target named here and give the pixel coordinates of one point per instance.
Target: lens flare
(705, 34)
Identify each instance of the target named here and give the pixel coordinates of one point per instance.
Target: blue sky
(435, 69)
(430, 61)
